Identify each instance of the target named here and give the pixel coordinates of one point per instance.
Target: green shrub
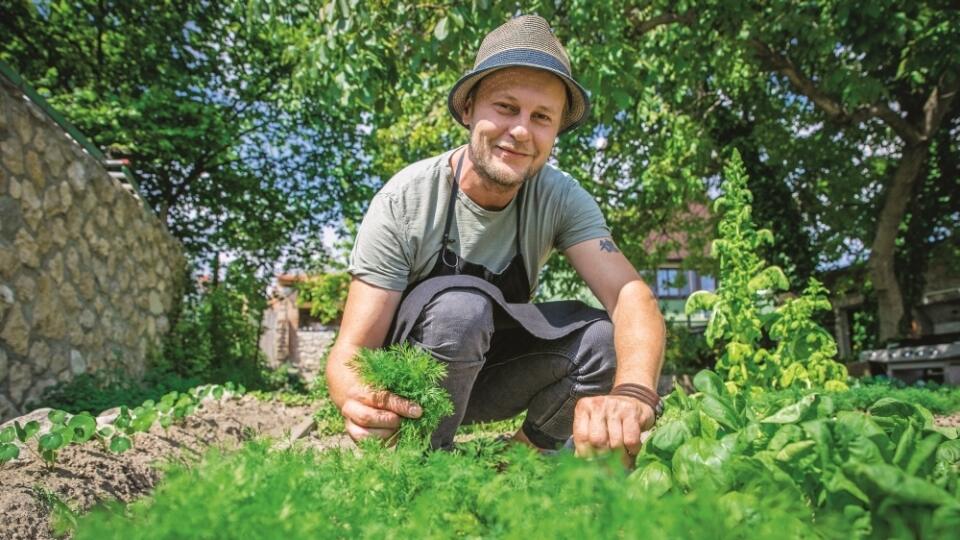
(746, 315)
(216, 336)
(687, 352)
(326, 294)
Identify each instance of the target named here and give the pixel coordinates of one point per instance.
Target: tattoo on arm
(607, 244)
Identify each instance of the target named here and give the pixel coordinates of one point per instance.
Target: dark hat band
(525, 57)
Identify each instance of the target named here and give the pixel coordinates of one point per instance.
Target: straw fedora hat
(524, 41)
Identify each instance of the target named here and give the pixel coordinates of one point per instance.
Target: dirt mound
(86, 475)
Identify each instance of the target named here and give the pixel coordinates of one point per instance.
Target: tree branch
(830, 106)
(642, 26)
(938, 103)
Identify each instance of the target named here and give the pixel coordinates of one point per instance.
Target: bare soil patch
(88, 474)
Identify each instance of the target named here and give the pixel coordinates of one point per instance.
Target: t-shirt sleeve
(380, 254)
(580, 219)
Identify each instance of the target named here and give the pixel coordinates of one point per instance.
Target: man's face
(514, 117)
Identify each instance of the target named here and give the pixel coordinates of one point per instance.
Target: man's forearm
(639, 336)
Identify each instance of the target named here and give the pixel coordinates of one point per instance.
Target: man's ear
(467, 113)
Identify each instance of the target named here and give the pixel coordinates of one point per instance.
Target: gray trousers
(496, 370)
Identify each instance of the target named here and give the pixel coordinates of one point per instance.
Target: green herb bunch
(745, 311)
(411, 373)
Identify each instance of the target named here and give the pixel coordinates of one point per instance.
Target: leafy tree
(195, 95)
(835, 104)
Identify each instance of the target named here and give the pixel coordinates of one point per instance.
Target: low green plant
(66, 429)
(889, 470)
(326, 294)
(101, 390)
(409, 372)
(745, 315)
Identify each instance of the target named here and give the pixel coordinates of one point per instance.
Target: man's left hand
(611, 423)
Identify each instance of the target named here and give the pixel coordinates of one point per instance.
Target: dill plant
(411, 373)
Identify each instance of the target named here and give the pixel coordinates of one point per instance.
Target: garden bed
(86, 475)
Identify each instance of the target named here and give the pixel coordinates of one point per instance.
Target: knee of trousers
(456, 326)
(597, 360)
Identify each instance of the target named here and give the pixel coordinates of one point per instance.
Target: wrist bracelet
(641, 393)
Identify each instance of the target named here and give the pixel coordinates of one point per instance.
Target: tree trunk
(881, 264)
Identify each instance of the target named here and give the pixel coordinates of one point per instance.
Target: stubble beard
(482, 158)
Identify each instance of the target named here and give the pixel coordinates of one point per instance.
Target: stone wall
(88, 276)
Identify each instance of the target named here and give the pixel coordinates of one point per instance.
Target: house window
(707, 283)
(672, 283)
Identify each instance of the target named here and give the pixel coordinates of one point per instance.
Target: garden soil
(87, 475)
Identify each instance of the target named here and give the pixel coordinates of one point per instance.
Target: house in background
(290, 335)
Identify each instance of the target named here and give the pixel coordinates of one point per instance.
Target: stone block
(59, 360)
(34, 167)
(11, 220)
(156, 305)
(66, 196)
(28, 194)
(26, 249)
(87, 319)
(51, 201)
(11, 151)
(16, 332)
(58, 232)
(22, 124)
(20, 380)
(25, 287)
(16, 189)
(9, 262)
(54, 160)
(77, 363)
(77, 175)
(39, 357)
(55, 268)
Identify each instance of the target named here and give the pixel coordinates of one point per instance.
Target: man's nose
(521, 129)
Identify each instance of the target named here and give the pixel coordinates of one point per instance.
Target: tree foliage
(836, 108)
(196, 96)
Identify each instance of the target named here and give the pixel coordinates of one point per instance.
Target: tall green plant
(745, 316)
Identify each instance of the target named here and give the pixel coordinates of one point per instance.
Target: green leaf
(703, 463)
(57, 417)
(721, 409)
(440, 31)
(30, 429)
(120, 444)
(51, 441)
(709, 383)
(8, 452)
(83, 427)
(793, 413)
(700, 301)
(8, 434)
(106, 432)
(654, 479)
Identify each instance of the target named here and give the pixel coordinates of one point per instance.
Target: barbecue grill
(940, 361)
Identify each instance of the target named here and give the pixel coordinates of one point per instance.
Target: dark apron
(509, 289)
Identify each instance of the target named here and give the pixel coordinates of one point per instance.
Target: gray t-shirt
(401, 233)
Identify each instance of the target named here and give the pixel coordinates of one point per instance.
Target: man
(448, 255)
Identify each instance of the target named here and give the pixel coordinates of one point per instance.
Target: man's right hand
(376, 413)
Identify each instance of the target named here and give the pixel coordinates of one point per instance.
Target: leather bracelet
(641, 393)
